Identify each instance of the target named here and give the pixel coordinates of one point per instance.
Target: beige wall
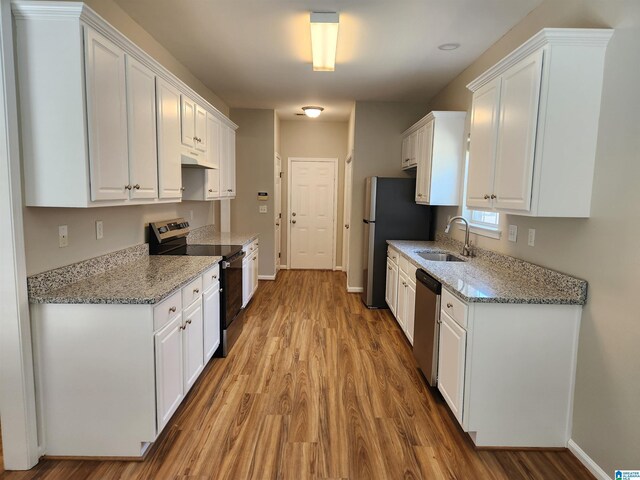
(377, 151)
(123, 226)
(602, 249)
(313, 139)
(254, 173)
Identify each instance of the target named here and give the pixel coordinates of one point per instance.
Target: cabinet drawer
(393, 255)
(251, 247)
(408, 268)
(210, 277)
(192, 292)
(165, 311)
(454, 307)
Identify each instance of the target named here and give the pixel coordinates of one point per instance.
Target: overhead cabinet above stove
(534, 126)
(102, 123)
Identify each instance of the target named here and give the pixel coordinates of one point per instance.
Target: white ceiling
(257, 53)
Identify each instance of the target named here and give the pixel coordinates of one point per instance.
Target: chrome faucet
(467, 250)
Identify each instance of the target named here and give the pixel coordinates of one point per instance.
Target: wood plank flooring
(317, 387)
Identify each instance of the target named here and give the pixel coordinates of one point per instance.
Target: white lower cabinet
(391, 288)
(249, 272)
(400, 291)
(451, 361)
(193, 344)
(211, 316)
(169, 359)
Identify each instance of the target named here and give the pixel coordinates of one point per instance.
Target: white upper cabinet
(436, 142)
(141, 117)
(169, 164)
(213, 139)
(106, 118)
(228, 162)
(534, 126)
(95, 132)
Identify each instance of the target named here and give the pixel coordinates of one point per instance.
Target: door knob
(293, 221)
(293, 214)
(346, 226)
(277, 224)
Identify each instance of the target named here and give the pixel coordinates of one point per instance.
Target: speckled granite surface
(494, 278)
(146, 280)
(59, 277)
(208, 236)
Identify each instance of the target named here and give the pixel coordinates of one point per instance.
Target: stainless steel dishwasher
(427, 325)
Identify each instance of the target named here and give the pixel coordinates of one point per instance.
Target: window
(486, 223)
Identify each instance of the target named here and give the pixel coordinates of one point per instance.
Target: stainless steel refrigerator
(390, 213)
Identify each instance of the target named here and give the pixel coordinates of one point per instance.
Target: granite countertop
(146, 280)
(208, 236)
(494, 278)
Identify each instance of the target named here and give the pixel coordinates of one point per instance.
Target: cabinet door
(211, 320)
(256, 264)
(224, 161)
(402, 301)
(213, 141)
(169, 163)
(482, 153)
(201, 128)
(169, 380)
(141, 116)
(107, 118)
(518, 122)
(451, 363)
(188, 121)
(231, 162)
(212, 184)
(193, 344)
(424, 158)
(410, 310)
(247, 278)
(391, 291)
(406, 153)
(413, 144)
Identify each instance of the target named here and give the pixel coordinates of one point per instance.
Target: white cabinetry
(534, 126)
(400, 291)
(409, 150)
(391, 287)
(169, 368)
(211, 312)
(250, 272)
(228, 162)
(193, 343)
(451, 363)
(169, 164)
(436, 148)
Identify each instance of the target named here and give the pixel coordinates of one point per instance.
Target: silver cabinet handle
(182, 327)
(211, 190)
(487, 197)
(196, 290)
(449, 305)
(182, 189)
(128, 187)
(137, 186)
(494, 196)
(188, 322)
(172, 309)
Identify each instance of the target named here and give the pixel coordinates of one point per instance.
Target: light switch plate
(513, 233)
(532, 237)
(99, 230)
(63, 236)
(262, 209)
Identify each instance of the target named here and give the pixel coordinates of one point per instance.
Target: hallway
(316, 387)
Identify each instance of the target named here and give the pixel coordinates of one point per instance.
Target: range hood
(192, 158)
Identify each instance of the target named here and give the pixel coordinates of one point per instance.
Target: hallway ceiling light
(449, 46)
(312, 112)
(324, 40)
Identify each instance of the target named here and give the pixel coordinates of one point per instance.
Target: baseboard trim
(337, 268)
(354, 289)
(266, 277)
(587, 461)
(284, 267)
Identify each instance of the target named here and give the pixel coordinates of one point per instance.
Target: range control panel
(168, 229)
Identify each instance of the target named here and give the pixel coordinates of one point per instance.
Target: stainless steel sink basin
(440, 257)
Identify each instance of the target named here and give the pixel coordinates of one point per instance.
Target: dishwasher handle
(428, 281)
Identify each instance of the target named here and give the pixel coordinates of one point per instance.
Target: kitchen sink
(440, 257)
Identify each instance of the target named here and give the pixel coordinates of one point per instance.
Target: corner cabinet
(435, 146)
(534, 126)
(121, 139)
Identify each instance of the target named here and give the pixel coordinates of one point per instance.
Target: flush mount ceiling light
(312, 112)
(449, 46)
(324, 40)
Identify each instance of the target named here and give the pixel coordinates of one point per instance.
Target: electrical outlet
(63, 236)
(532, 237)
(262, 209)
(99, 230)
(513, 233)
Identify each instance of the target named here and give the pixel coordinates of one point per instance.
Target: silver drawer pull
(172, 309)
(449, 305)
(189, 322)
(214, 277)
(196, 290)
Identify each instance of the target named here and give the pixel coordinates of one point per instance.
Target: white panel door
(107, 118)
(211, 320)
(451, 362)
(201, 128)
(515, 152)
(169, 383)
(141, 115)
(391, 287)
(193, 344)
(169, 162)
(482, 153)
(312, 214)
(188, 121)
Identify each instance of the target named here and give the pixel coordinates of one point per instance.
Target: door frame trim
(290, 161)
(346, 216)
(277, 241)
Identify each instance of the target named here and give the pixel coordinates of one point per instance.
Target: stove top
(224, 251)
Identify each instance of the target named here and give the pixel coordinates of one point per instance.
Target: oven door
(232, 288)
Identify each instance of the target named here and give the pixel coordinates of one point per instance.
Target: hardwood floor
(317, 387)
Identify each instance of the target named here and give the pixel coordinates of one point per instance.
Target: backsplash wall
(123, 227)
